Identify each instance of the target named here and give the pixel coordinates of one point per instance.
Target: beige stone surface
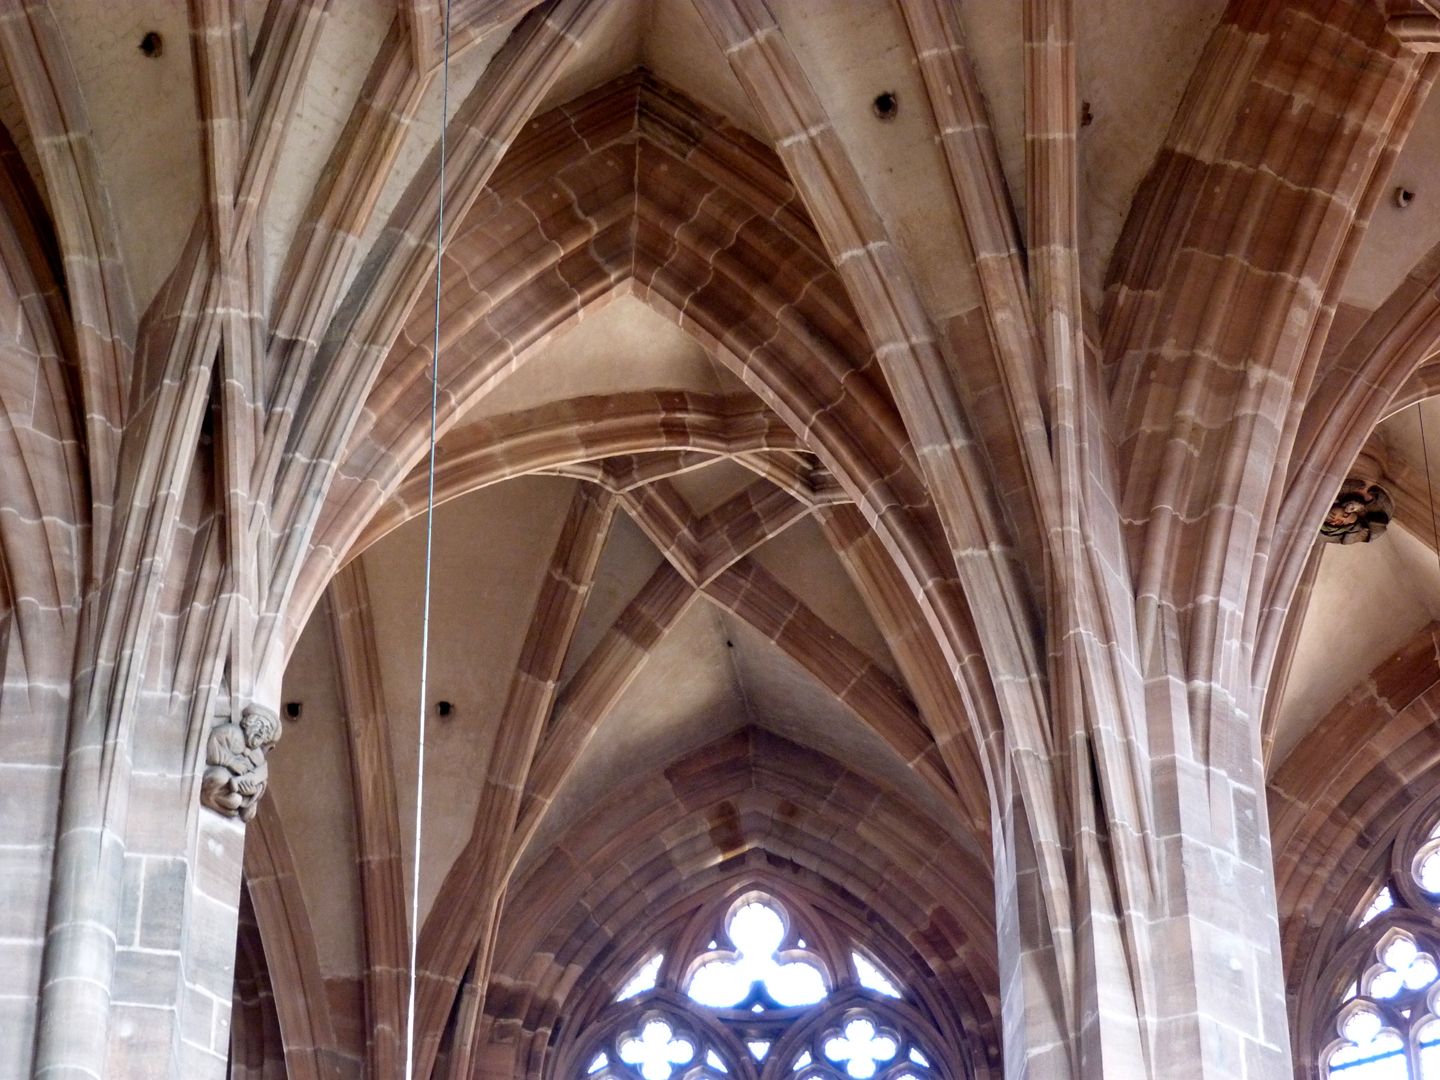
(487, 568)
(915, 517)
(322, 830)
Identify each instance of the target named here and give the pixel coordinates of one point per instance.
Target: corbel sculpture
(1359, 514)
(235, 767)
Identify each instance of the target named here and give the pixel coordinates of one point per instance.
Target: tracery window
(1386, 1020)
(761, 988)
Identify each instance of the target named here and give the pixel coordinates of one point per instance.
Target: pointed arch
(632, 189)
(562, 434)
(596, 202)
(1383, 367)
(45, 517)
(749, 807)
(257, 1048)
(1336, 804)
(98, 287)
(45, 487)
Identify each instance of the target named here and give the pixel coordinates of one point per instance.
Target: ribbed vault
(823, 503)
(632, 189)
(634, 192)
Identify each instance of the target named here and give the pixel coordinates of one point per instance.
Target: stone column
(1214, 939)
(1166, 969)
(145, 907)
(175, 938)
(34, 706)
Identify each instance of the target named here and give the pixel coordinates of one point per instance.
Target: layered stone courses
(1084, 528)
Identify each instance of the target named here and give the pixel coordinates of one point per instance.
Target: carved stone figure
(235, 767)
(1359, 514)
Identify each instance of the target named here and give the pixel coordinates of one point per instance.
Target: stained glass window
(871, 977)
(754, 970)
(1386, 1023)
(768, 993)
(643, 979)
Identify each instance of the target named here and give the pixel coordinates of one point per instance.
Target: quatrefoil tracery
(860, 1047)
(1387, 1018)
(656, 1049)
(1367, 1038)
(758, 1003)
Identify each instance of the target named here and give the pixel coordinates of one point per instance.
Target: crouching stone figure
(235, 768)
(1359, 514)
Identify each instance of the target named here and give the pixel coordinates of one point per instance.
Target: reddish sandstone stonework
(1004, 541)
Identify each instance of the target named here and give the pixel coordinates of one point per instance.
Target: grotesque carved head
(261, 727)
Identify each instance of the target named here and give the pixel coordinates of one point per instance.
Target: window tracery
(755, 969)
(1386, 1020)
(764, 990)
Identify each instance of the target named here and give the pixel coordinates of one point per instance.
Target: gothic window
(759, 988)
(1386, 1020)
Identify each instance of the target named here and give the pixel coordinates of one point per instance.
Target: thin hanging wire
(1429, 485)
(429, 560)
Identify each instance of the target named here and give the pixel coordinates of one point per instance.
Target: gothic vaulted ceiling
(724, 594)
(665, 628)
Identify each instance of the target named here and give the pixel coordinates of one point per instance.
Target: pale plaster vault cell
(351, 30)
(786, 699)
(626, 563)
(492, 548)
(705, 489)
(423, 132)
(668, 38)
(1369, 601)
(851, 52)
(616, 348)
(684, 697)
(1134, 63)
(801, 559)
(1396, 239)
(136, 105)
(310, 783)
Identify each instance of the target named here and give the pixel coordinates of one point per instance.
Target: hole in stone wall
(886, 105)
(152, 45)
(292, 710)
(444, 708)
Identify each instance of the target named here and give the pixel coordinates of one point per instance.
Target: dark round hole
(886, 106)
(152, 45)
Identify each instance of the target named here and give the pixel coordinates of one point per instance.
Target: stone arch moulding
(1389, 363)
(256, 1045)
(551, 438)
(1385, 366)
(630, 189)
(1375, 988)
(1342, 815)
(653, 866)
(793, 340)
